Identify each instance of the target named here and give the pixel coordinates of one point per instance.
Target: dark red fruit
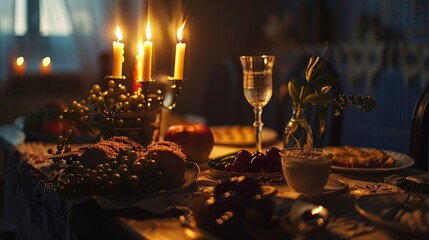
(222, 188)
(247, 187)
(273, 156)
(242, 161)
(259, 162)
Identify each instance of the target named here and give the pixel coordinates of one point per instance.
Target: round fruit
(247, 187)
(259, 162)
(242, 161)
(273, 156)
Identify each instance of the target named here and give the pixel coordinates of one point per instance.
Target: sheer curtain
(91, 35)
(7, 9)
(92, 22)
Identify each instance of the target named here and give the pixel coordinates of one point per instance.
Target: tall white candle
(179, 62)
(139, 63)
(118, 54)
(147, 55)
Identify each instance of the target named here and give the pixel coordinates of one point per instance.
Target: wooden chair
(419, 139)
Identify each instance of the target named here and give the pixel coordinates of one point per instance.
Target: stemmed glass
(257, 87)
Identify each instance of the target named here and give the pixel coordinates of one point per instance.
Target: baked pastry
(102, 151)
(354, 157)
(170, 159)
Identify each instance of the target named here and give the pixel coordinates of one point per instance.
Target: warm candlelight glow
(46, 62)
(148, 30)
(179, 62)
(20, 61)
(139, 64)
(180, 32)
(45, 65)
(147, 55)
(119, 34)
(118, 54)
(19, 65)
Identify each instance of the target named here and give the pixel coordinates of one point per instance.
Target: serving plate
(295, 219)
(402, 161)
(227, 174)
(192, 172)
(333, 188)
(373, 207)
(241, 136)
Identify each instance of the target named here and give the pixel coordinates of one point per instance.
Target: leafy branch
(316, 91)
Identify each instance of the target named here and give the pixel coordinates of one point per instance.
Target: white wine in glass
(257, 87)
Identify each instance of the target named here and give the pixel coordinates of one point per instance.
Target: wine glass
(257, 87)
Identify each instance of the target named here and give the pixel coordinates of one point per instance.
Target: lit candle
(19, 65)
(45, 65)
(138, 69)
(147, 55)
(180, 55)
(118, 54)
(139, 63)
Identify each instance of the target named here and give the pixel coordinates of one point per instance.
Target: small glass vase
(298, 131)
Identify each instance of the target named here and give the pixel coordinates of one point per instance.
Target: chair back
(419, 139)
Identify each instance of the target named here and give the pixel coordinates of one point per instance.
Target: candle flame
(20, 61)
(148, 31)
(180, 32)
(141, 50)
(46, 61)
(118, 33)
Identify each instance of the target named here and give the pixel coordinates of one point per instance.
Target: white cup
(306, 170)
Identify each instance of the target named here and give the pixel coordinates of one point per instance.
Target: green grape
(67, 148)
(110, 93)
(116, 179)
(104, 178)
(122, 89)
(100, 100)
(108, 171)
(96, 88)
(106, 165)
(126, 106)
(99, 167)
(111, 84)
(97, 180)
(114, 164)
(137, 167)
(132, 156)
(140, 107)
(93, 173)
(120, 122)
(133, 180)
(93, 98)
(138, 121)
(122, 166)
(124, 159)
(121, 98)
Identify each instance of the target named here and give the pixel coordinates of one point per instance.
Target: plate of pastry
(237, 135)
(350, 159)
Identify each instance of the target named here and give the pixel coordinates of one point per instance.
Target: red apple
(56, 127)
(196, 140)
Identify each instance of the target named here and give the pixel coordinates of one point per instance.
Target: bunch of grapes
(126, 174)
(237, 206)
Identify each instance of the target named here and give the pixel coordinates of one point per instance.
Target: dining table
(39, 211)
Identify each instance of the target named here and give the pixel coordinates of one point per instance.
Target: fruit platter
(122, 166)
(248, 164)
(239, 209)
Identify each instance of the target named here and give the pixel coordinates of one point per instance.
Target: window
(54, 19)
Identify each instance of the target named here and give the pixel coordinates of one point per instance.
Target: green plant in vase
(316, 91)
